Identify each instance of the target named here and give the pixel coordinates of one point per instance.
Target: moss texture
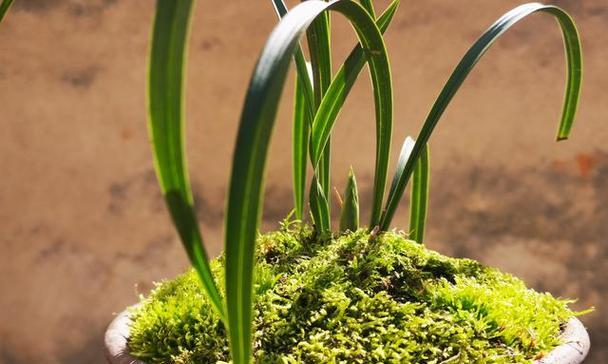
(356, 299)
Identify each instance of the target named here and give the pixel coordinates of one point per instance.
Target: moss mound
(353, 299)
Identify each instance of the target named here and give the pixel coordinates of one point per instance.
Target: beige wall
(82, 225)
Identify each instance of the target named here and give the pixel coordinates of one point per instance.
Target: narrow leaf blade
(320, 57)
(165, 126)
(419, 197)
(301, 135)
(468, 62)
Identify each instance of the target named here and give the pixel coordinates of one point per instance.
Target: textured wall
(83, 229)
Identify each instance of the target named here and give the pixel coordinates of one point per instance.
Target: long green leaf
(334, 100)
(320, 57)
(304, 110)
(573, 85)
(300, 137)
(419, 197)
(349, 216)
(165, 125)
(4, 8)
(257, 121)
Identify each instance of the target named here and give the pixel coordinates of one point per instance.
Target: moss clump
(353, 299)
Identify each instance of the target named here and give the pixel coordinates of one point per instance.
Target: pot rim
(573, 351)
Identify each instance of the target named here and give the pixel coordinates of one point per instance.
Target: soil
(82, 225)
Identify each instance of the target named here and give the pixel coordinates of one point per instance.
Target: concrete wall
(83, 228)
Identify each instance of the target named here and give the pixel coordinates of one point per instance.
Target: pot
(572, 351)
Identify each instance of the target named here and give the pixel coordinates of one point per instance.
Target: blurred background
(83, 228)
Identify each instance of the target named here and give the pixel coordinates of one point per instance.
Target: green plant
(318, 101)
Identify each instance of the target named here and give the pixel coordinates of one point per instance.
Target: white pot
(573, 351)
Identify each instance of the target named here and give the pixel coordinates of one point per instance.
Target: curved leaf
(257, 121)
(573, 85)
(165, 126)
(304, 110)
(320, 57)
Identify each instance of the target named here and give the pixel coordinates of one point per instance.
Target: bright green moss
(356, 300)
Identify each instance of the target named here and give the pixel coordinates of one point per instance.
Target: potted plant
(309, 292)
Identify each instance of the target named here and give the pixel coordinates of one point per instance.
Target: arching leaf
(165, 126)
(573, 85)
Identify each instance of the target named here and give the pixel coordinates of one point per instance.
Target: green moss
(357, 300)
